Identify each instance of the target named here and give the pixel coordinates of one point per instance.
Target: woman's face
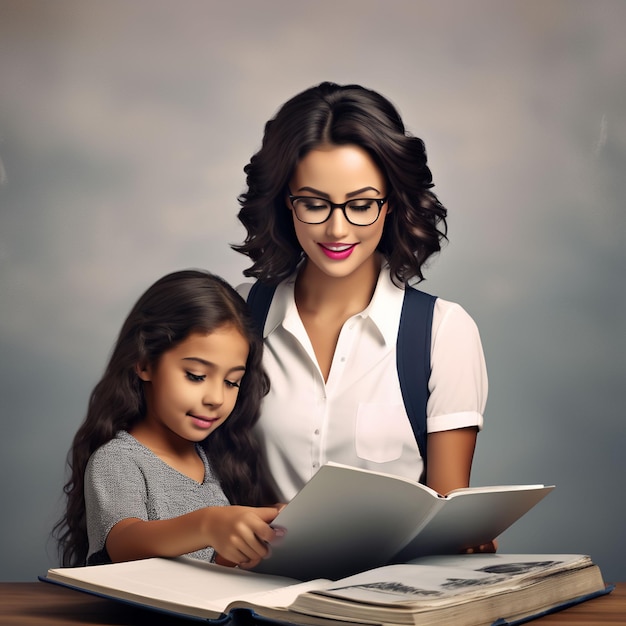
(338, 174)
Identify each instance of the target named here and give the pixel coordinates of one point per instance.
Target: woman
(340, 216)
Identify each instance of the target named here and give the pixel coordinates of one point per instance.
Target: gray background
(124, 128)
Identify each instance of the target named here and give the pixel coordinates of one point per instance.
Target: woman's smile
(337, 251)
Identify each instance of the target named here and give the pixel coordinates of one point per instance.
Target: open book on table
(464, 590)
(347, 520)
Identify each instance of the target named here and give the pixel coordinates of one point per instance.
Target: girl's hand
(220, 560)
(239, 534)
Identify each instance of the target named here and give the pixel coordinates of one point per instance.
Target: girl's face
(193, 387)
(338, 173)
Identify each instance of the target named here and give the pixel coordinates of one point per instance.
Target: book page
(472, 518)
(491, 488)
(184, 582)
(435, 580)
(280, 597)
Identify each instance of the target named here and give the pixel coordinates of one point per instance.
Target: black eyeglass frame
(340, 205)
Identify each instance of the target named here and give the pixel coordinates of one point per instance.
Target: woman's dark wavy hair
(332, 114)
(175, 306)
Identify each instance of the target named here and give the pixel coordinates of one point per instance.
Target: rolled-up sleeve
(458, 382)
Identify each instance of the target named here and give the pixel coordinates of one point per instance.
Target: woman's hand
(485, 548)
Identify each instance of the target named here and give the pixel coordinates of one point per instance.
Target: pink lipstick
(337, 251)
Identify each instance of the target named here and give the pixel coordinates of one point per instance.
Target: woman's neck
(337, 296)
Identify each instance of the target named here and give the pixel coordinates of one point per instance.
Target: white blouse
(357, 416)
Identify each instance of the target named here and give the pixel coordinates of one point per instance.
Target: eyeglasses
(359, 211)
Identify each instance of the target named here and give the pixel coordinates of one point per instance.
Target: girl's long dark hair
(166, 314)
(338, 115)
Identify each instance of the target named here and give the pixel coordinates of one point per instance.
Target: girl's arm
(239, 534)
(118, 496)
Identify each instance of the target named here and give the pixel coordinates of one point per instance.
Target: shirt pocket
(382, 431)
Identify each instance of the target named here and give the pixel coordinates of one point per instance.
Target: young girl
(165, 453)
(340, 216)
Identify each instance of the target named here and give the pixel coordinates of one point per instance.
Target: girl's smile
(203, 422)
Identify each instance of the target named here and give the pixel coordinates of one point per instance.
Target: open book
(465, 590)
(347, 520)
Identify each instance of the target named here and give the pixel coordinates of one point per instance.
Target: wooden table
(43, 604)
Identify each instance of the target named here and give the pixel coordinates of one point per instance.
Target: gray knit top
(125, 479)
